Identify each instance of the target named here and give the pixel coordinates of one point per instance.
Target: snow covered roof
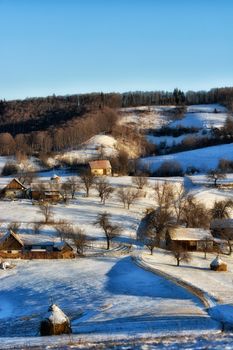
(100, 164)
(221, 224)
(189, 234)
(45, 186)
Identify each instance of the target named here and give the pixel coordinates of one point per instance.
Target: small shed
(100, 167)
(192, 239)
(15, 189)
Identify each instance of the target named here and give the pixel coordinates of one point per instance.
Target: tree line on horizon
(55, 123)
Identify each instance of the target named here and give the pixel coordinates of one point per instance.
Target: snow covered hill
(202, 159)
(202, 116)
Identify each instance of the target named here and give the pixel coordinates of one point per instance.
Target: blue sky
(75, 46)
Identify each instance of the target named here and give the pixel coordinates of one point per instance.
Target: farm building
(46, 190)
(192, 239)
(11, 243)
(15, 189)
(12, 246)
(222, 228)
(100, 167)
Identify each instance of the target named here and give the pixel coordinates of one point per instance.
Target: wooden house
(192, 239)
(10, 243)
(12, 246)
(15, 189)
(100, 167)
(48, 250)
(46, 191)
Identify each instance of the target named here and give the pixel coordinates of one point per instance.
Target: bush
(169, 168)
(191, 170)
(10, 168)
(225, 165)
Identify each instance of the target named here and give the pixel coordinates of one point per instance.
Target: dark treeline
(64, 137)
(55, 123)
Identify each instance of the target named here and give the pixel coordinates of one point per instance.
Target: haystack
(218, 264)
(55, 323)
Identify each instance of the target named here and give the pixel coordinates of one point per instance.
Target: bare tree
(46, 210)
(221, 209)
(36, 228)
(215, 175)
(27, 177)
(160, 219)
(195, 214)
(128, 196)
(64, 229)
(206, 246)
(80, 240)
(150, 238)
(88, 180)
(111, 231)
(104, 189)
(179, 202)
(73, 186)
(180, 253)
(227, 235)
(14, 226)
(164, 194)
(65, 191)
(68, 231)
(140, 182)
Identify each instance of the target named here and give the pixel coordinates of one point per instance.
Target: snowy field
(203, 159)
(99, 295)
(102, 295)
(154, 117)
(99, 144)
(202, 117)
(218, 286)
(83, 211)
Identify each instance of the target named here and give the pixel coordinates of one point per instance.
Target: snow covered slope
(202, 116)
(202, 159)
(98, 295)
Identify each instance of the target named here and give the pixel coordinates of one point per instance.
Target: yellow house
(100, 167)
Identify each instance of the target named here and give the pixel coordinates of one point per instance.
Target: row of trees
(56, 138)
(14, 114)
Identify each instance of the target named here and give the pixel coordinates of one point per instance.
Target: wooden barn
(15, 189)
(12, 246)
(100, 167)
(48, 250)
(192, 239)
(11, 243)
(46, 191)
